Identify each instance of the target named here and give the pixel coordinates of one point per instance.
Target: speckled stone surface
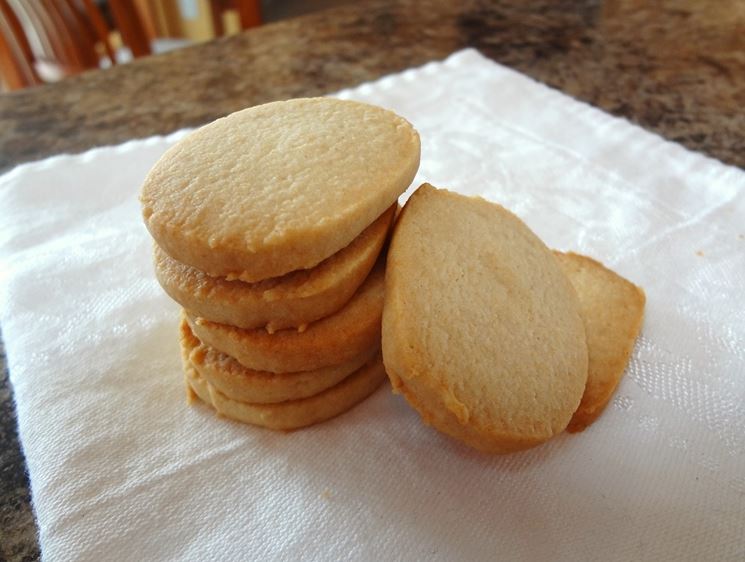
(17, 528)
(676, 67)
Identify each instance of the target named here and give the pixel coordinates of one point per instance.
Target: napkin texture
(122, 469)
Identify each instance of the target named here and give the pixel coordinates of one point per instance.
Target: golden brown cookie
(613, 310)
(237, 382)
(295, 299)
(293, 414)
(481, 329)
(278, 187)
(333, 340)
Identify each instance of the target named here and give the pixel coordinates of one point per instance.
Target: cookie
(278, 187)
(293, 414)
(293, 300)
(482, 332)
(613, 310)
(237, 382)
(333, 340)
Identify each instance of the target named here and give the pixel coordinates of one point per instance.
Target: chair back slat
(46, 40)
(16, 58)
(129, 24)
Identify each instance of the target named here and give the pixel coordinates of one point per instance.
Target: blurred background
(46, 40)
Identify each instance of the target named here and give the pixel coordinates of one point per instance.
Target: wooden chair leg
(216, 12)
(72, 58)
(101, 27)
(249, 12)
(128, 24)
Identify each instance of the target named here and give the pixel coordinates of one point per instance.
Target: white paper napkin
(122, 469)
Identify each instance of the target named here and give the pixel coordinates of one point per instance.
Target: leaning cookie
(613, 310)
(481, 329)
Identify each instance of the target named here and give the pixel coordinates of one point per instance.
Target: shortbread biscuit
(293, 414)
(295, 299)
(329, 341)
(481, 329)
(613, 310)
(278, 187)
(260, 387)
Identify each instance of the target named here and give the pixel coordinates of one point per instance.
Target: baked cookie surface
(613, 311)
(278, 187)
(239, 383)
(292, 300)
(293, 414)
(336, 339)
(481, 329)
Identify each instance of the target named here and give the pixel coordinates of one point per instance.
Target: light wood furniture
(46, 40)
(50, 38)
(16, 59)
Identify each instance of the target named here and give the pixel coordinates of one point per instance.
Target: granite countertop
(677, 68)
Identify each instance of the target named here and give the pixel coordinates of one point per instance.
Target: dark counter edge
(19, 533)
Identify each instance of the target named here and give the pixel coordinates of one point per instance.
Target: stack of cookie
(269, 227)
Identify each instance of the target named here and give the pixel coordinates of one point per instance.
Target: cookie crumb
(700, 253)
(326, 494)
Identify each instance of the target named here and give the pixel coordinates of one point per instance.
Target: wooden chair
(16, 59)
(46, 40)
(141, 22)
(133, 26)
(163, 19)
